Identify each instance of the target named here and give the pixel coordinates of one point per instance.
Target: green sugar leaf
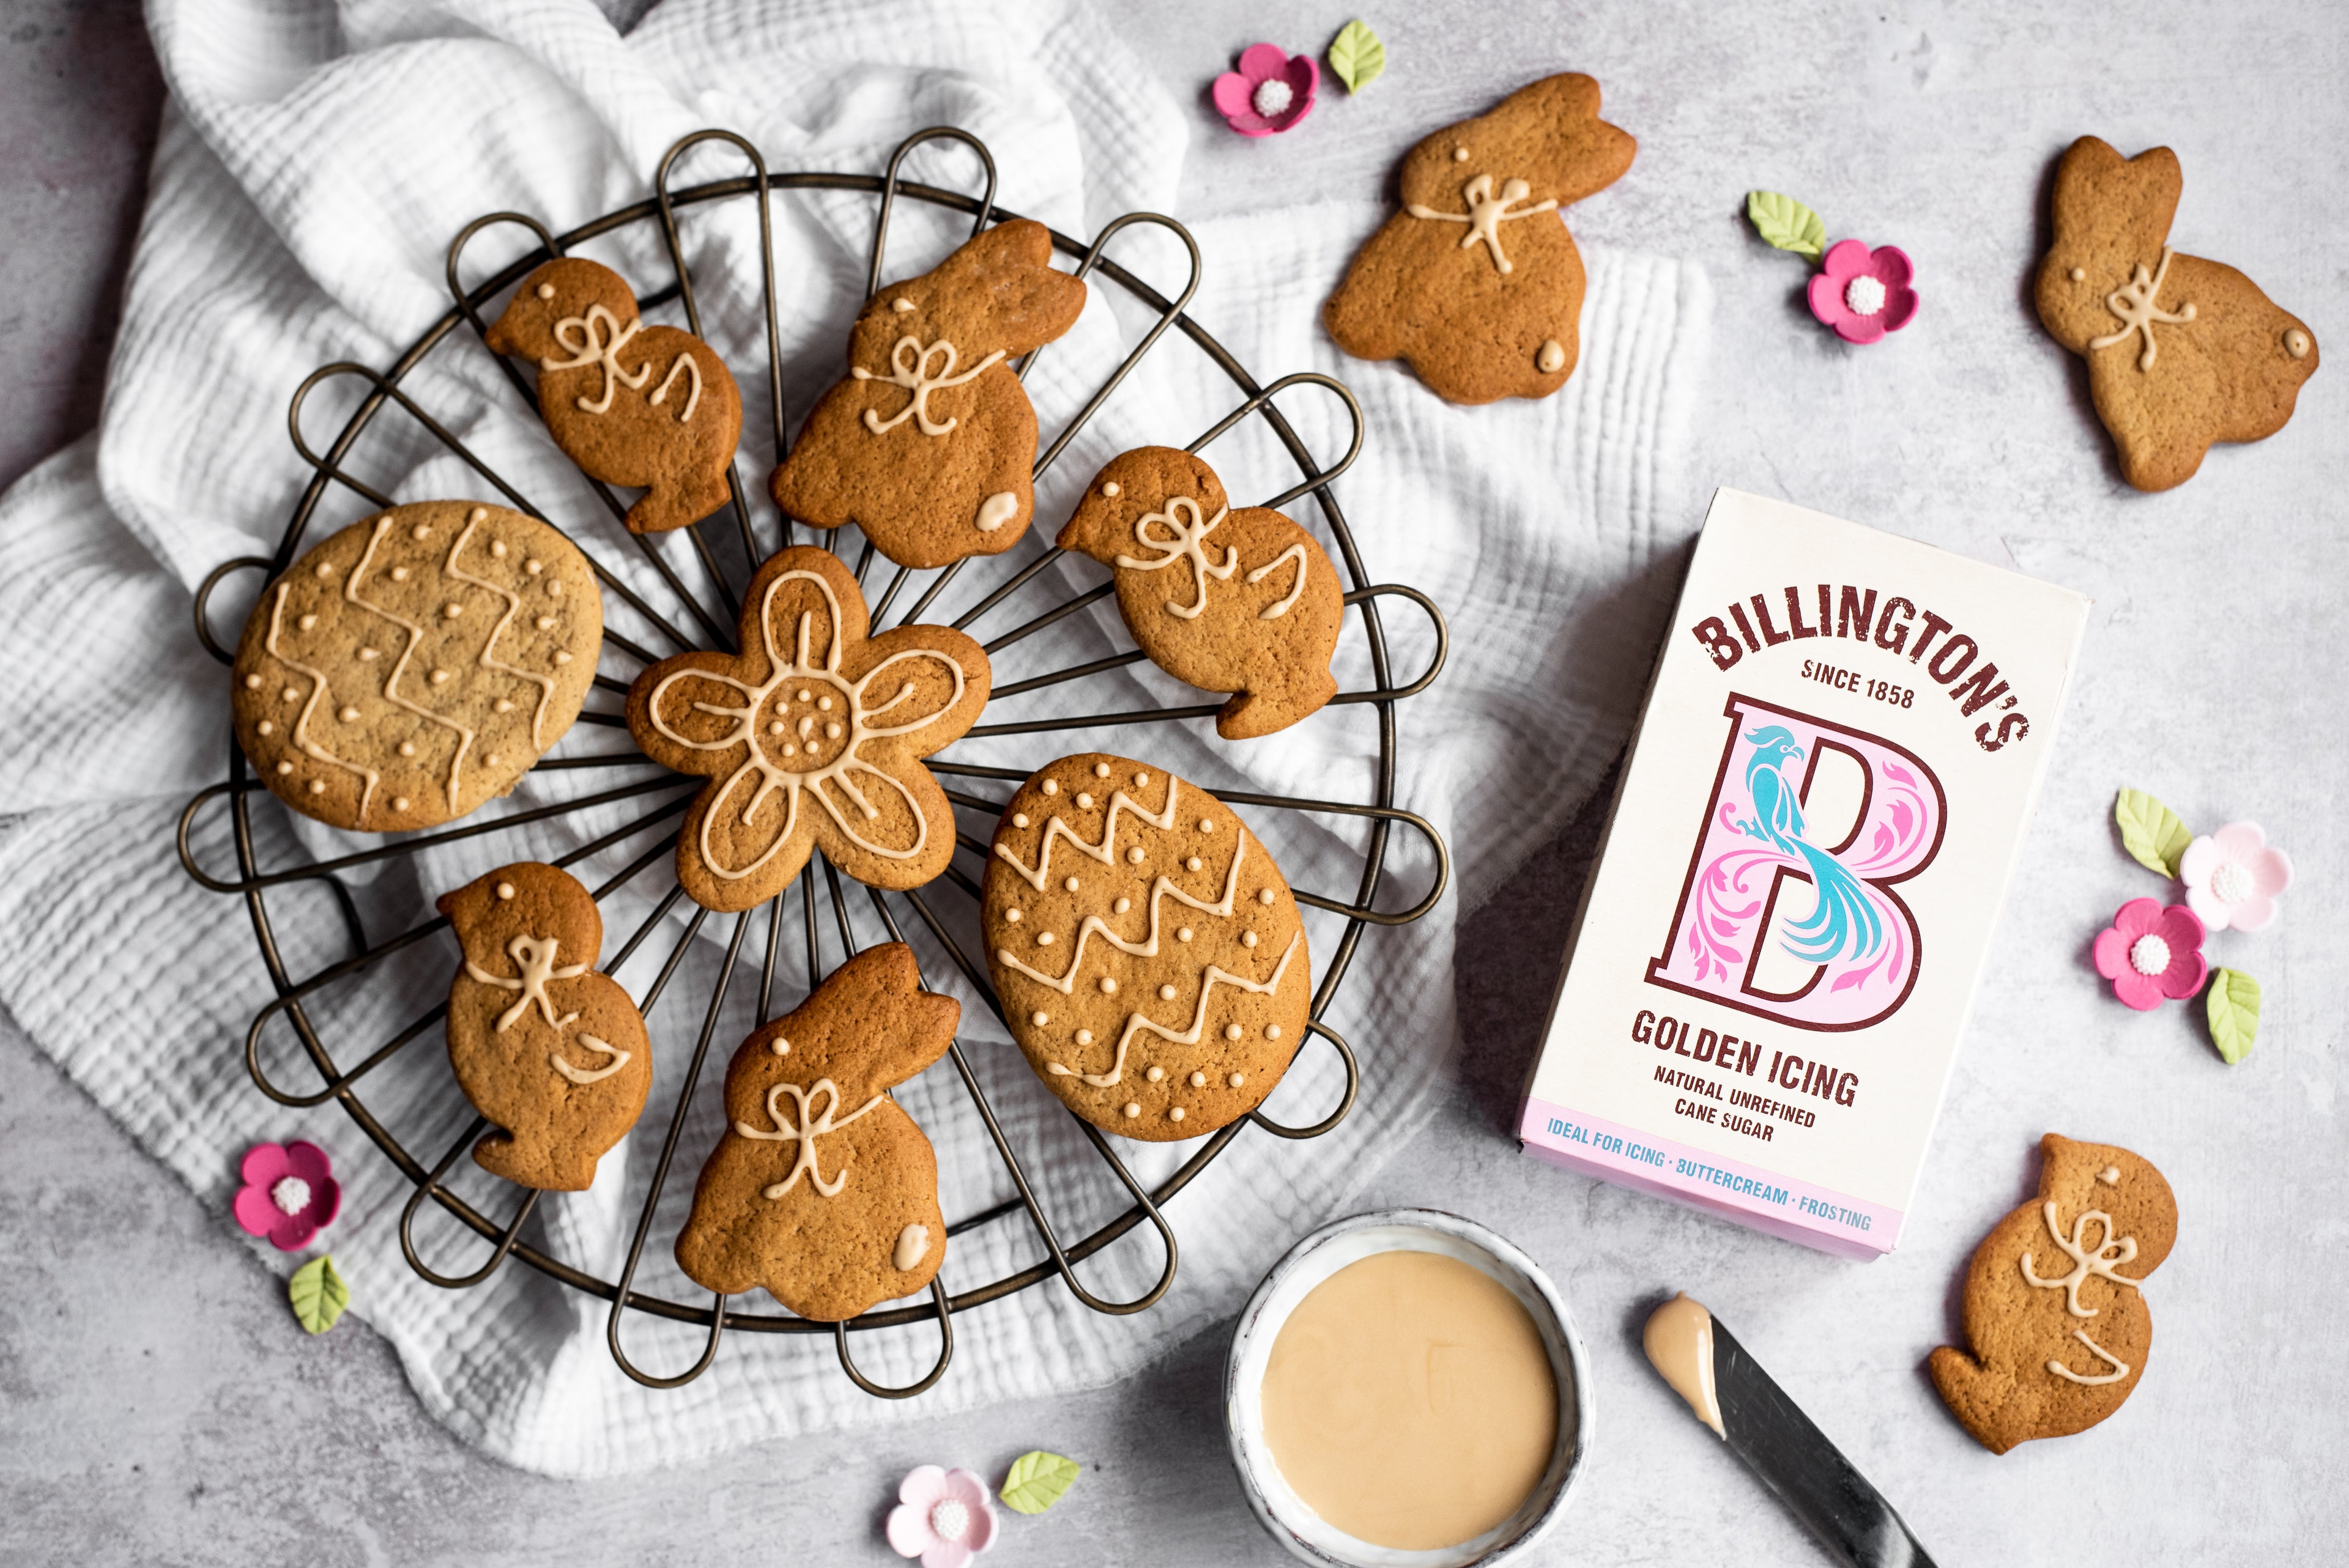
(2233, 1005)
(1039, 1479)
(318, 1295)
(2151, 831)
(1786, 223)
(1357, 58)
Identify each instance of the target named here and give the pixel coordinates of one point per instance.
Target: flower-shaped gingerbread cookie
(1476, 282)
(812, 738)
(1243, 602)
(630, 404)
(929, 442)
(2182, 352)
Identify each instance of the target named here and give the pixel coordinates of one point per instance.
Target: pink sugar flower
(1270, 92)
(289, 1194)
(1863, 294)
(2151, 953)
(943, 1516)
(2232, 877)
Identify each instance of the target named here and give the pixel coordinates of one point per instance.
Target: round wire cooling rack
(709, 611)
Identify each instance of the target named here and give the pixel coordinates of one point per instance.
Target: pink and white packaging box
(1827, 795)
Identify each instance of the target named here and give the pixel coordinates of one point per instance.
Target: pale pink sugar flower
(2232, 877)
(943, 1517)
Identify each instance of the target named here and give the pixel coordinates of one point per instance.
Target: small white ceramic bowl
(1315, 1259)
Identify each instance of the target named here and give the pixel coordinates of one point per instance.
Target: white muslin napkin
(314, 165)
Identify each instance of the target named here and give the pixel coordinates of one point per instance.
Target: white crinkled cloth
(313, 167)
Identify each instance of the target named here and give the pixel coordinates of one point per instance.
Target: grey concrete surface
(155, 1405)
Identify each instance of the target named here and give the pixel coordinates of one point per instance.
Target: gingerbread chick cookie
(928, 443)
(1476, 282)
(2182, 352)
(416, 663)
(550, 1051)
(812, 738)
(631, 404)
(1151, 959)
(2056, 1325)
(1243, 602)
(822, 1190)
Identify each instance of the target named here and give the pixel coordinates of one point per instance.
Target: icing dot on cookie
(1084, 802)
(1459, 155)
(497, 548)
(1020, 819)
(790, 749)
(1272, 1031)
(1231, 1031)
(2296, 343)
(555, 588)
(1039, 1018)
(1100, 769)
(1108, 984)
(440, 678)
(307, 622)
(408, 748)
(1121, 906)
(901, 305)
(400, 574)
(505, 890)
(1051, 786)
(369, 654)
(347, 715)
(267, 728)
(1141, 781)
(1551, 356)
(533, 567)
(776, 728)
(1193, 863)
(1199, 1080)
(1084, 1036)
(283, 768)
(1043, 939)
(1207, 825)
(491, 759)
(503, 705)
(1012, 916)
(1177, 1114)
(452, 610)
(252, 683)
(325, 571)
(1131, 1110)
(547, 291)
(824, 705)
(831, 730)
(546, 623)
(563, 657)
(399, 802)
(1154, 1074)
(1166, 993)
(1110, 489)
(1247, 939)
(1265, 897)
(421, 531)
(289, 693)
(782, 1047)
(2079, 274)
(1183, 934)
(1134, 855)
(1070, 884)
(317, 785)
(1238, 1078)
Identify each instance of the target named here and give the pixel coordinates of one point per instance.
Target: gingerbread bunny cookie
(929, 442)
(2182, 352)
(2055, 1317)
(1476, 282)
(1242, 602)
(822, 1189)
(812, 738)
(550, 1051)
(631, 404)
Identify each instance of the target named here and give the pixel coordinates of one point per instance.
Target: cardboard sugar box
(1824, 802)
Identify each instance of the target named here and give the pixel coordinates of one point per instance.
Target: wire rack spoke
(431, 1188)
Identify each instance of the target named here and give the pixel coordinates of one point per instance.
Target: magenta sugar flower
(2232, 877)
(289, 1194)
(1863, 294)
(943, 1516)
(2152, 955)
(1271, 91)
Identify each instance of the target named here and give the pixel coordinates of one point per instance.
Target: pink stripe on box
(1817, 1217)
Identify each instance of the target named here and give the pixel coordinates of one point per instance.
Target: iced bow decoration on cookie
(552, 1052)
(1242, 602)
(812, 738)
(928, 442)
(822, 1190)
(2056, 1326)
(632, 404)
(1475, 281)
(2182, 352)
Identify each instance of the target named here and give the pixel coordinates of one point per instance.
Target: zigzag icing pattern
(308, 747)
(1067, 984)
(1106, 851)
(391, 682)
(489, 660)
(1198, 1020)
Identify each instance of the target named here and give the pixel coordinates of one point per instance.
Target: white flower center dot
(2150, 955)
(950, 1519)
(1271, 99)
(1863, 294)
(2231, 884)
(292, 1195)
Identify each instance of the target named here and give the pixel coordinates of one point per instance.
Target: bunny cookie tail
(675, 503)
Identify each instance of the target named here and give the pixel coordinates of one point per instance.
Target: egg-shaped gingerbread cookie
(416, 663)
(1151, 960)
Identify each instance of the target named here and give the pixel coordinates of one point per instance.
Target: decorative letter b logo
(1796, 919)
